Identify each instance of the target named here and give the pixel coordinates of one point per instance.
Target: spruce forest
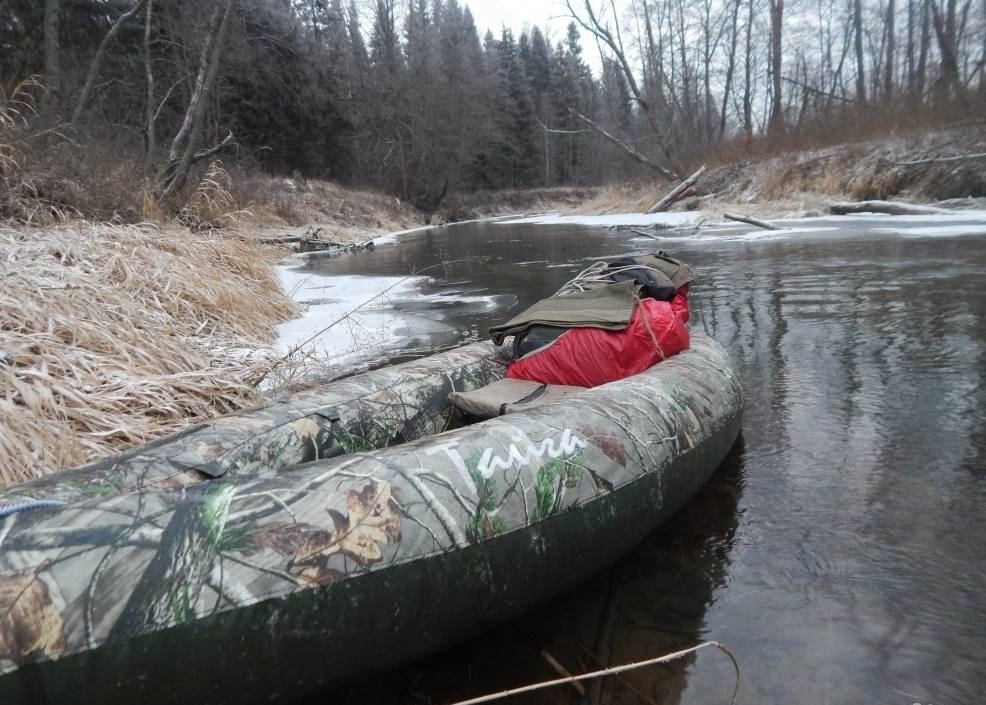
(411, 98)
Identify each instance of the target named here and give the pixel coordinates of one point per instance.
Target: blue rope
(6, 511)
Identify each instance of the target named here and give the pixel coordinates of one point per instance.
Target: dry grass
(111, 336)
(799, 184)
(278, 206)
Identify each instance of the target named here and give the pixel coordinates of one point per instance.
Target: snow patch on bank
(343, 314)
(350, 321)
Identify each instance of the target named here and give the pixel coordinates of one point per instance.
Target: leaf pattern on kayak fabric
(30, 624)
(373, 518)
(285, 538)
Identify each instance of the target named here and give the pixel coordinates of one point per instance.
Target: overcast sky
(516, 14)
(493, 14)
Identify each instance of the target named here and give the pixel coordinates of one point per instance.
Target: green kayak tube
(250, 588)
(371, 410)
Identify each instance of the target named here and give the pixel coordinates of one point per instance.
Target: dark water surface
(840, 552)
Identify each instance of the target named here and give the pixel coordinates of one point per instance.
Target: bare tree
(776, 123)
(857, 26)
(184, 150)
(149, 136)
(613, 40)
(748, 73)
(945, 32)
(97, 59)
(730, 68)
(890, 53)
(52, 46)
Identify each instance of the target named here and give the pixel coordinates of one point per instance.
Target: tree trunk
(149, 137)
(911, 64)
(185, 143)
(921, 77)
(945, 32)
(730, 70)
(52, 48)
(776, 124)
(891, 52)
(97, 60)
(857, 25)
(748, 87)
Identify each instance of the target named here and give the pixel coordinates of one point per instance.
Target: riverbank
(919, 167)
(114, 335)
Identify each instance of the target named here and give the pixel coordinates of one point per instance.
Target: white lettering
(567, 444)
(489, 463)
(457, 461)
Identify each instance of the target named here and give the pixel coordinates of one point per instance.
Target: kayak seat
(508, 395)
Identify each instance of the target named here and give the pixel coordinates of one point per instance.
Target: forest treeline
(409, 96)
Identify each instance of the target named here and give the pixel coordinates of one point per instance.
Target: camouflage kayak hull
(370, 410)
(256, 589)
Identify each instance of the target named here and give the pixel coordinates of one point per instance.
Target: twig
(553, 131)
(677, 192)
(612, 670)
(751, 221)
(644, 232)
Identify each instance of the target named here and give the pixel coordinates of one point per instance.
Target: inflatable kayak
(270, 554)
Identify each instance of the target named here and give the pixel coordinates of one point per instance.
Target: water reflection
(848, 567)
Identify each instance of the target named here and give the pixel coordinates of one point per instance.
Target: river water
(839, 552)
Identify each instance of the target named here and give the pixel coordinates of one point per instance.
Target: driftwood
(289, 240)
(324, 248)
(751, 221)
(679, 192)
(311, 243)
(887, 207)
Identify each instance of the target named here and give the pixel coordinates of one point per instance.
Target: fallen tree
(887, 207)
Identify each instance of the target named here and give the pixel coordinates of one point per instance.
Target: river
(838, 553)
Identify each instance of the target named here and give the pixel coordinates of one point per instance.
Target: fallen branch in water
(887, 207)
(751, 221)
(611, 671)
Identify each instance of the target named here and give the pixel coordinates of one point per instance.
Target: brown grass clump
(111, 336)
